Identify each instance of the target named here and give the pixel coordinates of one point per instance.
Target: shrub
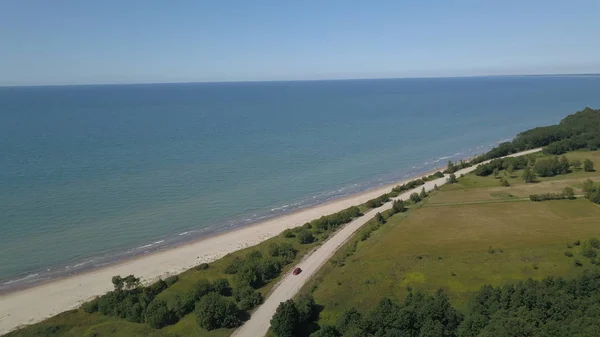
(569, 254)
(305, 237)
(247, 297)
(222, 287)
(595, 243)
(213, 311)
(589, 253)
(415, 198)
(91, 306)
(452, 179)
(288, 233)
(588, 165)
(379, 218)
(169, 281)
(202, 266)
(568, 193)
(159, 315)
(284, 250)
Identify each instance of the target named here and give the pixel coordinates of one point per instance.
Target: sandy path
(35, 304)
(288, 287)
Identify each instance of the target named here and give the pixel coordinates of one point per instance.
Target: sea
(91, 175)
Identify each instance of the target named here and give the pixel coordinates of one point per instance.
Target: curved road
(288, 287)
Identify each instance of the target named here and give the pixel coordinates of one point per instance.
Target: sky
(149, 41)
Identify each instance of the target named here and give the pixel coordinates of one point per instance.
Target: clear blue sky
(129, 41)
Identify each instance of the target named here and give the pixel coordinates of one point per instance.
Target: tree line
(551, 307)
(580, 130)
(567, 193)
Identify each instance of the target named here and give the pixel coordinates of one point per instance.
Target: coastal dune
(34, 304)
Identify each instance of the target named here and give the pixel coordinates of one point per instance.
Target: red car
(297, 271)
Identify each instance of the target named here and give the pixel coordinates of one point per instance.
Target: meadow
(462, 237)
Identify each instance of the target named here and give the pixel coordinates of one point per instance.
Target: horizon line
(302, 80)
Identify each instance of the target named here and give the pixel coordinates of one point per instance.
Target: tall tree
(286, 319)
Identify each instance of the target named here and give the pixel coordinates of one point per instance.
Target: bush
(569, 254)
(549, 196)
(588, 166)
(247, 297)
(222, 287)
(91, 306)
(589, 253)
(201, 288)
(288, 233)
(284, 250)
(202, 266)
(398, 206)
(415, 198)
(504, 182)
(158, 314)
(214, 311)
(379, 218)
(305, 237)
(169, 281)
(594, 243)
(452, 179)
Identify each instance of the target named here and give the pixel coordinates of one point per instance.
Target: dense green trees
(214, 311)
(567, 193)
(592, 191)
(132, 301)
(552, 307)
(418, 315)
(286, 319)
(577, 131)
(552, 167)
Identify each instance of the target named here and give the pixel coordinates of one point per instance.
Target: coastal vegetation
(507, 275)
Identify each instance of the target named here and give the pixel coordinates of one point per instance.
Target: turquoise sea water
(91, 174)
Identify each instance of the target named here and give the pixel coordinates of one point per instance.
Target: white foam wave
(30, 276)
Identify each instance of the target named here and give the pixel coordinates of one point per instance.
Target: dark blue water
(90, 173)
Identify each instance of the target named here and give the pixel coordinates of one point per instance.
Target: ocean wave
(28, 277)
(279, 208)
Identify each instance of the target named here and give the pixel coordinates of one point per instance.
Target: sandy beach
(34, 304)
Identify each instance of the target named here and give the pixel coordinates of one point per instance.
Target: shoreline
(70, 291)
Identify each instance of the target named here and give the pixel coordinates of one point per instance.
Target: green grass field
(466, 235)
